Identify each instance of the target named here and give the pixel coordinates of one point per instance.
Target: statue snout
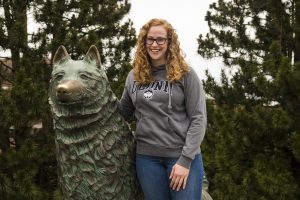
(68, 91)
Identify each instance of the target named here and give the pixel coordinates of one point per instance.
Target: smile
(155, 50)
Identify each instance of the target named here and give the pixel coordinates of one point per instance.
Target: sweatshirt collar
(158, 68)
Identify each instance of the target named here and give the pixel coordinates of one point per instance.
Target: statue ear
(61, 55)
(93, 56)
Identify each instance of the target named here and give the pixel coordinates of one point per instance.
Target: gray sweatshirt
(171, 117)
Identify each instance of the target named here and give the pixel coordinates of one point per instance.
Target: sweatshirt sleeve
(196, 112)
(125, 105)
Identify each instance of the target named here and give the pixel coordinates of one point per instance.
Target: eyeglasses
(159, 40)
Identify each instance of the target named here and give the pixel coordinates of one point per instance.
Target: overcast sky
(187, 17)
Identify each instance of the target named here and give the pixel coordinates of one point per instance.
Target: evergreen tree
(27, 157)
(253, 125)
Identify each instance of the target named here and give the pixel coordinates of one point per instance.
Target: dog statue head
(77, 87)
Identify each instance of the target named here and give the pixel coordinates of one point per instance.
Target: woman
(169, 104)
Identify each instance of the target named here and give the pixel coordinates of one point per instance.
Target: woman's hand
(178, 176)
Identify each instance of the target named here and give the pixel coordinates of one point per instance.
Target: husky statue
(95, 147)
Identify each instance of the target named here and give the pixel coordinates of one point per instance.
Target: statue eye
(84, 76)
(58, 77)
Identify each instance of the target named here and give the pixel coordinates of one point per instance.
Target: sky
(188, 18)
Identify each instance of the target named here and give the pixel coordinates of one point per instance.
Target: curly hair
(175, 64)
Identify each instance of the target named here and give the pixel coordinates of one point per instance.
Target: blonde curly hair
(175, 64)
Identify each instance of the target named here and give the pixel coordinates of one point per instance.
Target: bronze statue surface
(95, 147)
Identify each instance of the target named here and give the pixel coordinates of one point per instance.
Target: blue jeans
(153, 173)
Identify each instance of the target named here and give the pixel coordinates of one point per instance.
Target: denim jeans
(153, 173)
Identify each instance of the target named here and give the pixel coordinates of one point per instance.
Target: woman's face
(157, 44)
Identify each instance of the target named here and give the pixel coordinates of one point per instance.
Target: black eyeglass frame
(147, 39)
